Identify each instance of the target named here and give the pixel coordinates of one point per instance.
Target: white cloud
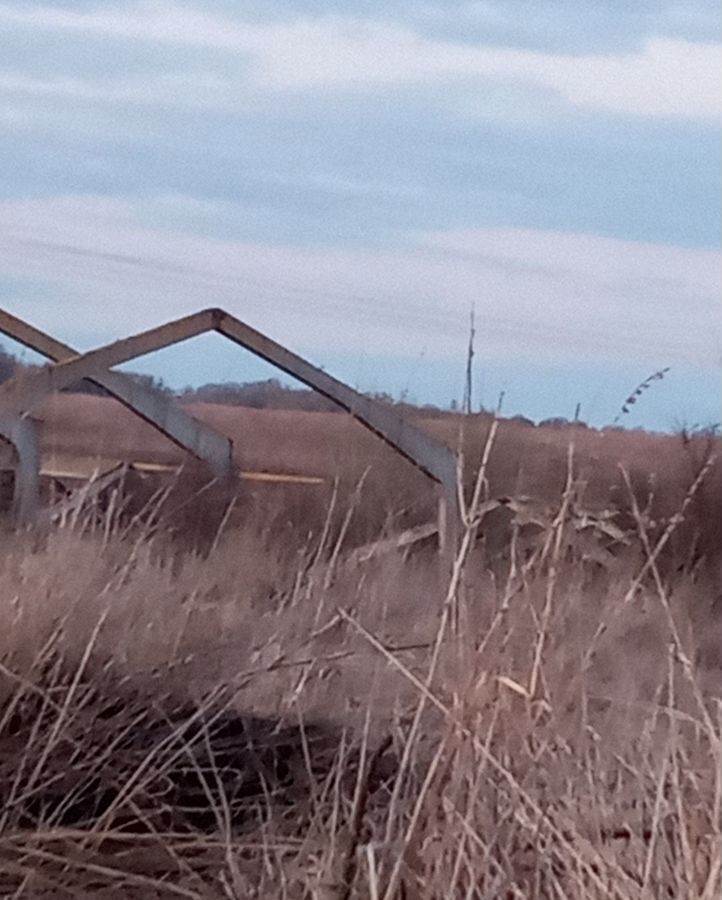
(538, 294)
(200, 90)
(664, 78)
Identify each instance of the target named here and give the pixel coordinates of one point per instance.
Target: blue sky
(351, 180)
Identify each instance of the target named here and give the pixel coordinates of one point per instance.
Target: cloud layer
(664, 77)
(352, 181)
(538, 294)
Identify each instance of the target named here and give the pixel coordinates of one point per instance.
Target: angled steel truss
(21, 394)
(162, 413)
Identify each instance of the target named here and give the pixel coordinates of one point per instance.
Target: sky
(353, 179)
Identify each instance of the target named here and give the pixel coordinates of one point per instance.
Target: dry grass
(527, 462)
(265, 721)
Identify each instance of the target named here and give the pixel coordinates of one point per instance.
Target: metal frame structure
(21, 394)
(214, 449)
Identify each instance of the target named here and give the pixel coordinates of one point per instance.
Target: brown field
(251, 715)
(527, 461)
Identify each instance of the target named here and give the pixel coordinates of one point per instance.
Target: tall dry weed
(261, 719)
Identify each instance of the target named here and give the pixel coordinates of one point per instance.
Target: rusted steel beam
(25, 391)
(432, 457)
(388, 545)
(163, 414)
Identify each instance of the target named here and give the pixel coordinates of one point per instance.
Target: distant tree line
(272, 394)
(269, 394)
(11, 365)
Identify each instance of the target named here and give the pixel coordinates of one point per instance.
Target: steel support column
(22, 434)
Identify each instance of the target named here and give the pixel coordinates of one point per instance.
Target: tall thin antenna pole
(470, 363)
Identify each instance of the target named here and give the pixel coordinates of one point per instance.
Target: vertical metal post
(22, 433)
(443, 519)
(448, 512)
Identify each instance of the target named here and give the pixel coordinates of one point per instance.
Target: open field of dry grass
(264, 719)
(526, 462)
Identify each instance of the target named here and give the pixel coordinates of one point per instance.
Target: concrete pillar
(22, 433)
